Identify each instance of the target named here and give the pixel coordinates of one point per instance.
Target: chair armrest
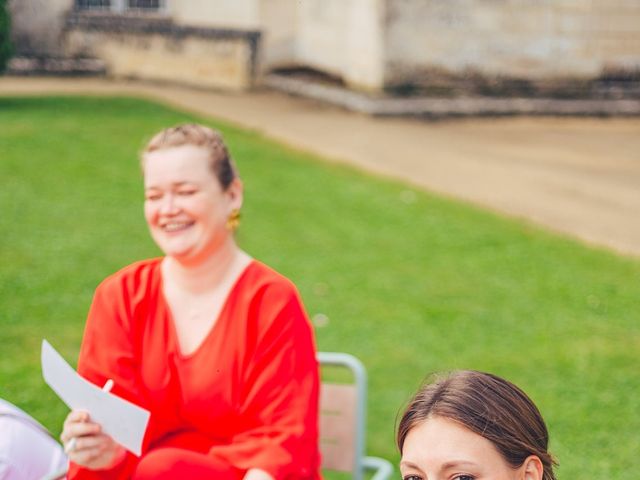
(383, 467)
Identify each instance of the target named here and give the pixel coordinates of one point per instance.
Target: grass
(409, 282)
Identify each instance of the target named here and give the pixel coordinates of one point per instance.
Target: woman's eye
(186, 193)
(152, 196)
(411, 477)
(463, 477)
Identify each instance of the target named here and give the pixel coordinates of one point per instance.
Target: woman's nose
(169, 204)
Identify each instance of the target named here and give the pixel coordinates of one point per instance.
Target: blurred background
(564, 48)
(450, 184)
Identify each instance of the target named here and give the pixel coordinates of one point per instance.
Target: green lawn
(411, 283)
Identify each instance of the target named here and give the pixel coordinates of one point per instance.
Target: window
(145, 4)
(93, 4)
(120, 6)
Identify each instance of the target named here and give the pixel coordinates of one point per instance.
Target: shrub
(5, 36)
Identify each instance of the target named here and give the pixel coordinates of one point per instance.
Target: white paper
(125, 422)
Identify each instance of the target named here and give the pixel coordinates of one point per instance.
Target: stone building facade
(556, 47)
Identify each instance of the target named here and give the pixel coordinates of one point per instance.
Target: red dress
(247, 397)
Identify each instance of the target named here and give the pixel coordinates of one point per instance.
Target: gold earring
(233, 222)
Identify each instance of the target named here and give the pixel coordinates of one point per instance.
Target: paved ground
(578, 176)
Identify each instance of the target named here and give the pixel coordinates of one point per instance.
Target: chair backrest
(342, 416)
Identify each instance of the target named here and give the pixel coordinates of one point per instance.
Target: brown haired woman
(214, 343)
(472, 426)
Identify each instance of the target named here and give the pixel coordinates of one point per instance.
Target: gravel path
(576, 176)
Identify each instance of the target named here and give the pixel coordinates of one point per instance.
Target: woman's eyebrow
(457, 463)
(408, 464)
(184, 182)
(173, 184)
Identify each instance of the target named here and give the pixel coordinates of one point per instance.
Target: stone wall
(278, 21)
(511, 44)
(37, 26)
(344, 38)
(157, 49)
(242, 14)
(513, 47)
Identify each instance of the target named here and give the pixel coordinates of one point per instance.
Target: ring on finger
(71, 445)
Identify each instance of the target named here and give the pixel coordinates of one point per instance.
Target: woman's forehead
(186, 160)
(439, 438)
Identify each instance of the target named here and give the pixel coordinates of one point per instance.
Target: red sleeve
(108, 351)
(279, 414)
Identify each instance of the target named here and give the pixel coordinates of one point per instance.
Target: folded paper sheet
(125, 422)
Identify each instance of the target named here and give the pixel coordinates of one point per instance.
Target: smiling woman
(187, 212)
(214, 343)
(472, 426)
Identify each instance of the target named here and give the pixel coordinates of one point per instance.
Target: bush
(5, 36)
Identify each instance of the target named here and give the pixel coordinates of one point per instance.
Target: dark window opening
(145, 4)
(94, 4)
(120, 6)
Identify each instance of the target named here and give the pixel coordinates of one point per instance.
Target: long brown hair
(489, 406)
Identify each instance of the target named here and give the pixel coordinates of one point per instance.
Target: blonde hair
(197, 135)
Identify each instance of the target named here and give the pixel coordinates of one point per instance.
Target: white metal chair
(342, 421)
(31, 450)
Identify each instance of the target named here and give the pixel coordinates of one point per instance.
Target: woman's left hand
(86, 445)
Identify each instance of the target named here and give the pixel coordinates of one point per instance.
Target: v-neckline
(221, 313)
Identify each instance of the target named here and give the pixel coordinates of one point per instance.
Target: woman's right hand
(91, 448)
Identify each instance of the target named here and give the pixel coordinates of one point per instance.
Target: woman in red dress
(214, 343)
